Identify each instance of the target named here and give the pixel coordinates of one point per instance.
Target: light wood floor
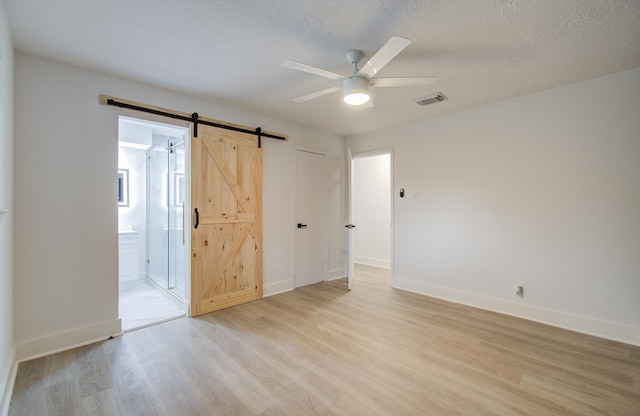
(324, 350)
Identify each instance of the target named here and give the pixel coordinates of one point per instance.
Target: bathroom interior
(152, 240)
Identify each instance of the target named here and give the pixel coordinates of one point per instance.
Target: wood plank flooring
(322, 350)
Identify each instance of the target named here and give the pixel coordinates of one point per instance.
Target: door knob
(350, 226)
(302, 225)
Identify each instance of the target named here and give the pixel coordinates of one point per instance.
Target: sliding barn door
(226, 199)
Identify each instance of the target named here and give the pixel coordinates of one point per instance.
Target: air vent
(431, 99)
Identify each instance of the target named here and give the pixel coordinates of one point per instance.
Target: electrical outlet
(520, 291)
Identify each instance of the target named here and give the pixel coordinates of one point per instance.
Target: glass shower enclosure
(166, 189)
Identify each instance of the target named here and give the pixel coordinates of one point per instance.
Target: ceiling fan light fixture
(355, 90)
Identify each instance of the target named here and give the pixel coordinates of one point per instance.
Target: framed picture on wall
(123, 187)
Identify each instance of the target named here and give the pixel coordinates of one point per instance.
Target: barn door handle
(197, 218)
(302, 225)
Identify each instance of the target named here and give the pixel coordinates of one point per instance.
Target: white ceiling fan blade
(316, 94)
(403, 82)
(312, 70)
(394, 46)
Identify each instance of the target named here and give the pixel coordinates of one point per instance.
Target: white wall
(372, 210)
(7, 344)
(542, 190)
(66, 155)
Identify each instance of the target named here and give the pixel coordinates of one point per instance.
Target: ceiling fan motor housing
(355, 90)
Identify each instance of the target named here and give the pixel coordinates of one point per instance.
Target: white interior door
(311, 225)
(350, 226)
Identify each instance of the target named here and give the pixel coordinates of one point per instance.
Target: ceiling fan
(356, 87)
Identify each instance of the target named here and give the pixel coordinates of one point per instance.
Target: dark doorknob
(302, 225)
(350, 226)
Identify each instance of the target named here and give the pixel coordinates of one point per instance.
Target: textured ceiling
(231, 51)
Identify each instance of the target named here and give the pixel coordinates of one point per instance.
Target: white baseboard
(29, 350)
(6, 384)
(583, 324)
(336, 274)
(275, 288)
(283, 286)
(370, 261)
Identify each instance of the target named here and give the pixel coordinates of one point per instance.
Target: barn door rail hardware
(192, 118)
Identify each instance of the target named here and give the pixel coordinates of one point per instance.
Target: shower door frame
(173, 181)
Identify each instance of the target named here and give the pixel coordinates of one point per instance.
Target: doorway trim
(363, 155)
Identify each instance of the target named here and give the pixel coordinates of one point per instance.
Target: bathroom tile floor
(142, 303)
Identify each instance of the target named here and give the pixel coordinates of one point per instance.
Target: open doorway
(371, 212)
(152, 199)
